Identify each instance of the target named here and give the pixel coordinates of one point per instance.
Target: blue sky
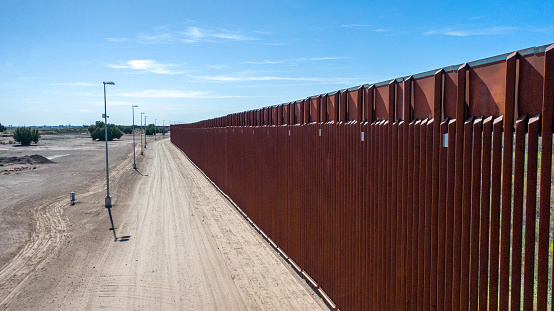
(184, 61)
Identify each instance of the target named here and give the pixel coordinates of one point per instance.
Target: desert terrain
(177, 244)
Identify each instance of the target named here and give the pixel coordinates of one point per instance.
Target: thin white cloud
(218, 67)
(157, 38)
(173, 94)
(164, 94)
(193, 35)
(193, 32)
(248, 78)
(328, 58)
(266, 62)
(364, 27)
(116, 39)
(78, 84)
(231, 36)
(272, 62)
(472, 32)
(146, 65)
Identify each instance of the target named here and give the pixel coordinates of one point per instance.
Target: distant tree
(126, 129)
(2, 128)
(25, 136)
(151, 129)
(97, 131)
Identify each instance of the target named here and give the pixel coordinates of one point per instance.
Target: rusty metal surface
(423, 94)
(412, 193)
(428, 211)
(465, 215)
(546, 164)
(381, 102)
(495, 213)
(530, 213)
(354, 104)
(441, 217)
(517, 221)
(485, 212)
(475, 214)
(333, 107)
(449, 246)
(436, 138)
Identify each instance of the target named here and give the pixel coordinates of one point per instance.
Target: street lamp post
(108, 199)
(134, 158)
(145, 127)
(141, 153)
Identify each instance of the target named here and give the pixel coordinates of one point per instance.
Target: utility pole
(145, 127)
(134, 158)
(141, 147)
(108, 199)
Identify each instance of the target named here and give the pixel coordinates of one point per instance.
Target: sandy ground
(179, 243)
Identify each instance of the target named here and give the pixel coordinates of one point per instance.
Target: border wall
(431, 191)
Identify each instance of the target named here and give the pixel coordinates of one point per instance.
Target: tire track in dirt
(187, 247)
(264, 279)
(48, 230)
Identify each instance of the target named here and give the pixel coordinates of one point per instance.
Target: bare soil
(177, 244)
(32, 159)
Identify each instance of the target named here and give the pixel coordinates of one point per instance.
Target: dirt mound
(31, 160)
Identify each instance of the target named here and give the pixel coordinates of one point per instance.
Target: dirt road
(180, 245)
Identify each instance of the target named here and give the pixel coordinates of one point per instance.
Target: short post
(72, 197)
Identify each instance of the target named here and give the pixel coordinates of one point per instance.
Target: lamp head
(109, 82)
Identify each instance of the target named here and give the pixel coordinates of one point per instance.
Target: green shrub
(126, 129)
(97, 131)
(25, 136)
(151, 129)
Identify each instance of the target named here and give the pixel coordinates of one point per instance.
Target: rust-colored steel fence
(425, 192)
